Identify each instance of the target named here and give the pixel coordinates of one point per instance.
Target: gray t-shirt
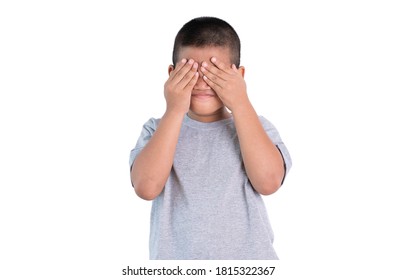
(208, 208)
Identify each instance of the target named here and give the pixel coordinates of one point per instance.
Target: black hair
(205, 32)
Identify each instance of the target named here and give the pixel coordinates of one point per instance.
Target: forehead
(201, 54)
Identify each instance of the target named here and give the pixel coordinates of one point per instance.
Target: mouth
(203, 95)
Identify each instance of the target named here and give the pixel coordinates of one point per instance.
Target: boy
(204, 167)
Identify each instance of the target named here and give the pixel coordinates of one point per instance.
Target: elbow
(267, 189)
(268, 186)
(146, 190)
(146, 195)
(145, 187)
(269, 182)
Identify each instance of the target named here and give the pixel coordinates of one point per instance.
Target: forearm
(262, 160)
(152, 166)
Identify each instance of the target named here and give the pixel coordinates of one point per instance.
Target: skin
(203, 84)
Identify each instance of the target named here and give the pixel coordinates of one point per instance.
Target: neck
(218, 115)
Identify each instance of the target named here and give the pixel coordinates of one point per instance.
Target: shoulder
(270, 129)
(151, 124)
(266, 123)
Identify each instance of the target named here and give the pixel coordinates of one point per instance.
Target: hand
(227, 82)
(178, 88)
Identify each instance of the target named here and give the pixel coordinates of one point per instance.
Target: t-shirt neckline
(206, 125)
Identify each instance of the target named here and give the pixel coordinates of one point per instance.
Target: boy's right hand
(178, 88)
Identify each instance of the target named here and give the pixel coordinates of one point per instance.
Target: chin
(205, 110)
(208, 113)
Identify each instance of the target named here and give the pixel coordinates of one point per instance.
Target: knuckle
(192, 81)
(190, 75)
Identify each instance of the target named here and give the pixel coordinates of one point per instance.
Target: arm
(262, 160)
(152, 166)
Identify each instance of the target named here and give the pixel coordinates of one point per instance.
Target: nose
(201, 84)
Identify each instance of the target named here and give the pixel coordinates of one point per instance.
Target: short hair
(208, 32)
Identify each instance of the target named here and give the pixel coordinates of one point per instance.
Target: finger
(206, 67)
(222, 66)
(215, 86)
(180, 71)
(219, 64)
(178, 66)
(192, 81)
(234, 67)
(214, 76)
(186, 80)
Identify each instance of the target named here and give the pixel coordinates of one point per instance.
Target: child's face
(205, 105)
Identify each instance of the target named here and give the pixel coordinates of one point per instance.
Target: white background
(79, 78)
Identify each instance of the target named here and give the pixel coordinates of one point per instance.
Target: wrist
(242, 107)
(174, 114)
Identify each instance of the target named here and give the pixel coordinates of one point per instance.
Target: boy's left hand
(227, 82)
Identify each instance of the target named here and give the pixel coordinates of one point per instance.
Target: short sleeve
(146, 134)
(278, 142)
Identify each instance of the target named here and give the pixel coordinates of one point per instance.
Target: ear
(241, 70)
(170, 69)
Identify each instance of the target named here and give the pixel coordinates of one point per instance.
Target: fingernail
(205, 64)
(213, 59)
(183, 60)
